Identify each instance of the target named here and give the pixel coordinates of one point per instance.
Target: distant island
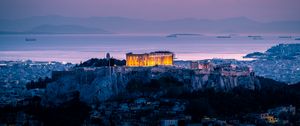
(61, 29)
(30, 39)
(288, 37)
(256, 37)
(182, 34)
(224, 36)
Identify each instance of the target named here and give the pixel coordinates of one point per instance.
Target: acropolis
(158, 58)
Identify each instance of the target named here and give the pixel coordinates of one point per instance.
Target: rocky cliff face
(99, 84)
(223, 83)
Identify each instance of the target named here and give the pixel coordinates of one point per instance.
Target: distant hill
(129, 25)
(281, 51)
(280, 62)
(61, 29)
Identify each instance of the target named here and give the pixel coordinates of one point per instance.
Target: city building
(158, 58)
(169, 122)
(194, 65)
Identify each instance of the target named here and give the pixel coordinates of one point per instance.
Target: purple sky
(260, 10)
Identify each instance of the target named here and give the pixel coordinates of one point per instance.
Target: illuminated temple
(160, 58)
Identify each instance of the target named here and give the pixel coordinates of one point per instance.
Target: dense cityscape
(149, 63)
(139, 93)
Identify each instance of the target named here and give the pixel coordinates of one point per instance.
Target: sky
(259, 10)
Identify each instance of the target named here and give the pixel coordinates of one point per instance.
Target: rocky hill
(99, 84)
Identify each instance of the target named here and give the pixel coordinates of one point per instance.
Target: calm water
(76, 48)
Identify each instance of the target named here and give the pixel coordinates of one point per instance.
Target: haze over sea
(80, 47)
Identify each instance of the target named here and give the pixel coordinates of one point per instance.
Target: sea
(77, 48)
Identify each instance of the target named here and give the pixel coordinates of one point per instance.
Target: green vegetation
(166, 84)
(209, 102)
(72, 113)
(95, 62)
(41, 83)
